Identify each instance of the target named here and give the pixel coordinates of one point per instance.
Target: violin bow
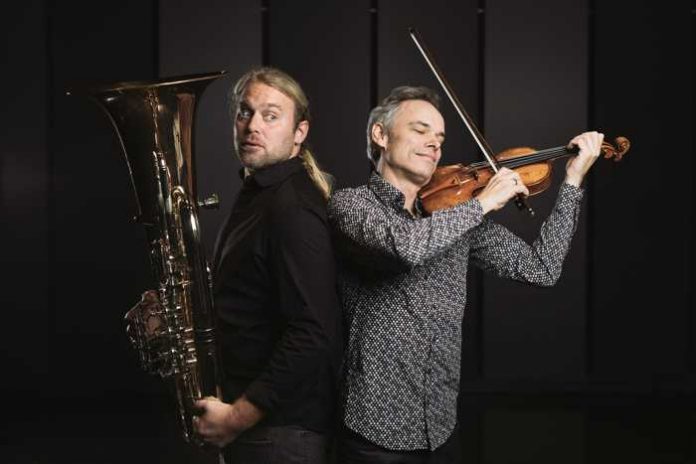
(520, 201)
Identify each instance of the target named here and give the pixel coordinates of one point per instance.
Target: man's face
(264, 127)
(412, 147)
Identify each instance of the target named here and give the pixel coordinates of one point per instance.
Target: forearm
(574, 179)
(544, 264)
(220, 423)
(245, 414)
(297, 356)
(378, 237)
(498, 250)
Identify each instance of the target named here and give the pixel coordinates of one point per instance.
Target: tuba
(173, 327)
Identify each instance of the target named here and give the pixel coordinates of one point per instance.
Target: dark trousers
(355, 449)
(276, 445)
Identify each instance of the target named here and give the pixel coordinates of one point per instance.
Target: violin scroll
(617, 152)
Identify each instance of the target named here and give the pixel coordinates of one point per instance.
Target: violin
(454, 184)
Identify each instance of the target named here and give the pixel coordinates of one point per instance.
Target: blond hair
(285, 84)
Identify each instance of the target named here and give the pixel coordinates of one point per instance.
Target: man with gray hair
(403, 280)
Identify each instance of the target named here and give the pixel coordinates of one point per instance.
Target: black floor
(495, 429)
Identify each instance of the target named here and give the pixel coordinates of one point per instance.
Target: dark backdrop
(598, 369)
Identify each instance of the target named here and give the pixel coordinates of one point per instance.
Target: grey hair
(384, 113)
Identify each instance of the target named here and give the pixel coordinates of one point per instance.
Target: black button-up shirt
(275, 296)
(403, 289)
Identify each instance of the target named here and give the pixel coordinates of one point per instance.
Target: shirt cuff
(570, 196)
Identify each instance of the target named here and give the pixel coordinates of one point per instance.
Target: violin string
(513, 163)
(542, 155)
(538, 156)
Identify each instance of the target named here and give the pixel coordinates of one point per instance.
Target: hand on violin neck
(502, 187)
(590, 145)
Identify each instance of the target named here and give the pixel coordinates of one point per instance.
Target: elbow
(400, 264)
(318, 338)
(390, 263)
(542, 276)
(407, 263)
(548, 283)
(548, 279)
(407, 258)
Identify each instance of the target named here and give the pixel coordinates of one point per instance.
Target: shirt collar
(390, 195)
(275, 173)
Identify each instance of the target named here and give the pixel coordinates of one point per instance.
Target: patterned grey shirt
(403, 289)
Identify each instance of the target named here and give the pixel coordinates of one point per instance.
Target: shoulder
(348, 199)
(295, 199)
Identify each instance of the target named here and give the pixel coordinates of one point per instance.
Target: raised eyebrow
(272, 105)
(246, 105)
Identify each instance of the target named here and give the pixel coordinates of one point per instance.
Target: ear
(379, 135)
(301, 132)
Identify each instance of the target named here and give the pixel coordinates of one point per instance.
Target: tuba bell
(173, 327)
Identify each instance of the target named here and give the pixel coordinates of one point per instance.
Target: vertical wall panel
(644, 228)
(23, 198)
(326, 47)
(691, 271)
(536, 95)
(452, 37)
(213, 36)
(100, 264)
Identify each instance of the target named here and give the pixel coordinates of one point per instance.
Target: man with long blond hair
(274, 287)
